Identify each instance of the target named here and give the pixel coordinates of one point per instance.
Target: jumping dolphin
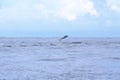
(63, 38)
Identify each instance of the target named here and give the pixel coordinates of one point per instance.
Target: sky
(54, 18)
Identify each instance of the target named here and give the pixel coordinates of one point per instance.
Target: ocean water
(49, 59)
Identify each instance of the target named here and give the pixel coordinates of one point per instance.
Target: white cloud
(114, 5)
(71, 9)
(65, 9)
(23, 10)
(115, 8)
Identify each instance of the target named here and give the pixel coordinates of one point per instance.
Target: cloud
(71, 9)
(21, 11)
(34, 9)
(114, 5)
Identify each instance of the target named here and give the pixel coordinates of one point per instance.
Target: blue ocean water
(49, 59)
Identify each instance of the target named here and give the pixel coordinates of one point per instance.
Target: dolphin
(63, 38)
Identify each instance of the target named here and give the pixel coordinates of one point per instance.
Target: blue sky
(52, 18)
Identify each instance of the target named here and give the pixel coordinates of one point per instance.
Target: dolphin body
(63, 38)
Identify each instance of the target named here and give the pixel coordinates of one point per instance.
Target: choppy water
(49, 59)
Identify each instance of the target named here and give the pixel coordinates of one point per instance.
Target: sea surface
(49, 59)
